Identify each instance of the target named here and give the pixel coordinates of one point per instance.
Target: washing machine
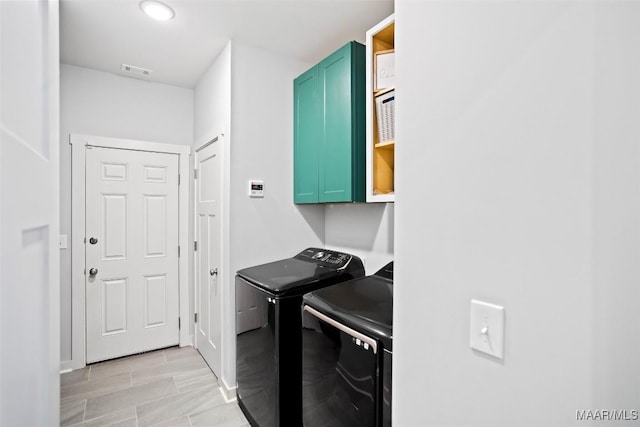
(347, 353)
(269, 331)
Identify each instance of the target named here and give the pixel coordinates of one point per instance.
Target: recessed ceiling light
(157, 10)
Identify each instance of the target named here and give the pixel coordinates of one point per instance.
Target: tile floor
(170, 387)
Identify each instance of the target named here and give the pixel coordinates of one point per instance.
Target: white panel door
(131, 252)
(29, 214)
(209, 254)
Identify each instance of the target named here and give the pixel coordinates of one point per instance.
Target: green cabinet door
(307, 139)
(335, 159)
(341, 160)
(329, 129)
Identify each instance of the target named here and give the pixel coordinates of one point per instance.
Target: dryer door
(339, 373)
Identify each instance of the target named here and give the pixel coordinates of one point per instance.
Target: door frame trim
(79, 143)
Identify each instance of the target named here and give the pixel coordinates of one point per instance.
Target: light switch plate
(487, 328)
(63, 241)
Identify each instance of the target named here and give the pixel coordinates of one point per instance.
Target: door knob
(93, 240)
(213, 272)
(93, 271)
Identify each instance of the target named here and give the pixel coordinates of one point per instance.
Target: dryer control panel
(326, 258)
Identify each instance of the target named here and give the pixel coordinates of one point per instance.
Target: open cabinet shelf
(388, 145)
(380, 135)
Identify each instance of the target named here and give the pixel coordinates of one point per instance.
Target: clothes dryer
(347, 353)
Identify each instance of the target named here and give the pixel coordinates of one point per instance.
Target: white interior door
(29, 214)
(131, 252)
(208, 195)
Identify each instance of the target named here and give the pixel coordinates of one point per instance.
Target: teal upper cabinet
(329, 129)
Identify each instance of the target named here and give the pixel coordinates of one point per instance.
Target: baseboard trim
(188, 343)
(228, 393)
(70, 365)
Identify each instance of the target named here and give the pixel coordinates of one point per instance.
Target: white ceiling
(103, 34)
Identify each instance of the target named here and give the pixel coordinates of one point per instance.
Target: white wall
(212, 100)
(262, 148)
(29, 198)
(104, 104)
(616, 206)
(521, 120)
(365, 230)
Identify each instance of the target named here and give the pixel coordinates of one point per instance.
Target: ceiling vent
(133, 71)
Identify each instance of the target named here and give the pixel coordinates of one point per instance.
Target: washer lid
(364, 304)
(286, 275)
(309, 269)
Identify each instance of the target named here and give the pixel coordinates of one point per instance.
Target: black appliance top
(364, 304)
(303, 272)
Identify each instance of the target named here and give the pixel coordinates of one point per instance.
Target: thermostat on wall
(256, 188)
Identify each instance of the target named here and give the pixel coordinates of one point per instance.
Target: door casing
(78, 152)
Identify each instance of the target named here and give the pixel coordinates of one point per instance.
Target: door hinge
(195, 174)
(195, 317)
(178, 179)
(178, 323)
(178, 251)
(195, 245)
